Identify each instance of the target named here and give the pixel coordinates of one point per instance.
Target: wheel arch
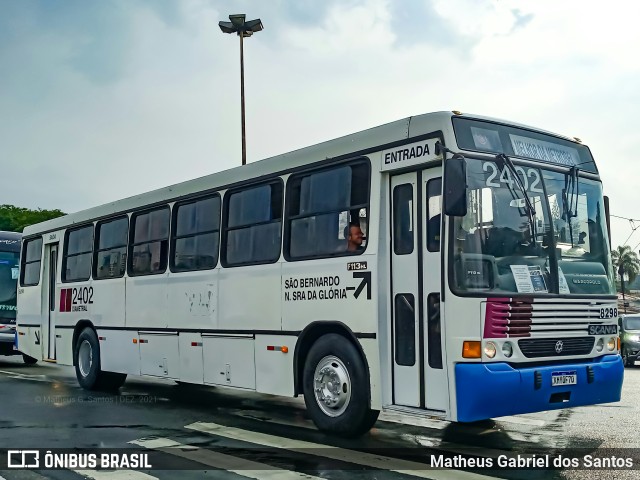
(308, 337)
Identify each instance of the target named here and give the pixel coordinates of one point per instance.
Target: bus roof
(352, 144)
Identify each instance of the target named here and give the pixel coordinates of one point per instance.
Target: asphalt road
(220, 433)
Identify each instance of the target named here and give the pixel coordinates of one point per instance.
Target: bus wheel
(87, 360)
(29, 360)
(336, 387)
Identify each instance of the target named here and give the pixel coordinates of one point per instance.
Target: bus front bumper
(487, 390)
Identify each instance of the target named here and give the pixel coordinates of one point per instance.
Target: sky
(104, 100)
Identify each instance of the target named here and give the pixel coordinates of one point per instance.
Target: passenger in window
(353, 234)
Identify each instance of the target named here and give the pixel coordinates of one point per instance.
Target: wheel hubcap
(332, 386)
(85, 358)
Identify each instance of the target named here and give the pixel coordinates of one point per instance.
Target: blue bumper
(487, 390)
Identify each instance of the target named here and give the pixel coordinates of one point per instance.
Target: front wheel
(336, 387)
(87, 360)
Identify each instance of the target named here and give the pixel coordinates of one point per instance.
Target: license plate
(559, 379)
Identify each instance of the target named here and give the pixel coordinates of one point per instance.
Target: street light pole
(239, 26)
(244, 136)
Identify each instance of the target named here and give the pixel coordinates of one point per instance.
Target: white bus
(259, 278)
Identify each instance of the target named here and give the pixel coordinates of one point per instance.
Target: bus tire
(87, 360)
(29, 360)
(336, 387)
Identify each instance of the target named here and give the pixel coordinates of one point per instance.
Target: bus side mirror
(455, 186)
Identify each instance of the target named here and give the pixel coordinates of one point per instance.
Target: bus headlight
(599, 345)
(507, 349)
(490, 349)
(611, 344)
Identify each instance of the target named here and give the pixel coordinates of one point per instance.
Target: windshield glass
(8, 284)
(500, 246)
(632, 323)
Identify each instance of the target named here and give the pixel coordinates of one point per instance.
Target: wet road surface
(220, 433)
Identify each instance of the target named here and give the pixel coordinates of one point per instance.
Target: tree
(626, 261)
(14, 219)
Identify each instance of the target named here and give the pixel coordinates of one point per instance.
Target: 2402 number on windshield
(530, 177)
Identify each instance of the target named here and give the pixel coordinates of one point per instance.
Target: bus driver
(353, 234)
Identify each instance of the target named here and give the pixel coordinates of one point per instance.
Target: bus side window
(149, 242)
(253, 225)
(324, 207)
(110, 258)
(78, 250)
(195, 234)
(31, 261)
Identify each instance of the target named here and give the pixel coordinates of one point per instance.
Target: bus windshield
(501, 246)
(8, 283)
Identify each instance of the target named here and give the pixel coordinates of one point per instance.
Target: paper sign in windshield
(14, 273)
(529, 279)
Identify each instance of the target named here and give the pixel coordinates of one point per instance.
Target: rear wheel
(87, 361)
(336, 387)
(29, 360)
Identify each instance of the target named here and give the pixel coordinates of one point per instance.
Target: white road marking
(26, 376)
(352, 456)
(115, 475)
(250, 469)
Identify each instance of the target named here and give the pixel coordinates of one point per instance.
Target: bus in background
(9, 267)
(445, 264)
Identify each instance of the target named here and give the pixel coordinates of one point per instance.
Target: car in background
(9, 273)
(629, 338)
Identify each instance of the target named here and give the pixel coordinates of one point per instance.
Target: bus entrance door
(49, 303)
(415, 284)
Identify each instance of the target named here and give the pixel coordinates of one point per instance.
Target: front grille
(542, 318)
(548, 347)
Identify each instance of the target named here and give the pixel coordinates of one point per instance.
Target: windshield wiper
(504, 161)
(570, 193)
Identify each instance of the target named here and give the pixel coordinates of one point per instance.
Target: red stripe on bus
(68, 300)
(63, 299)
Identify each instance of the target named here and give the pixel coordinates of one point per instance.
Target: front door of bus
(49, 330)
(419, 379)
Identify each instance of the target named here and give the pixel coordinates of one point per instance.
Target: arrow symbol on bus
(366, 281)
(37, 334)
